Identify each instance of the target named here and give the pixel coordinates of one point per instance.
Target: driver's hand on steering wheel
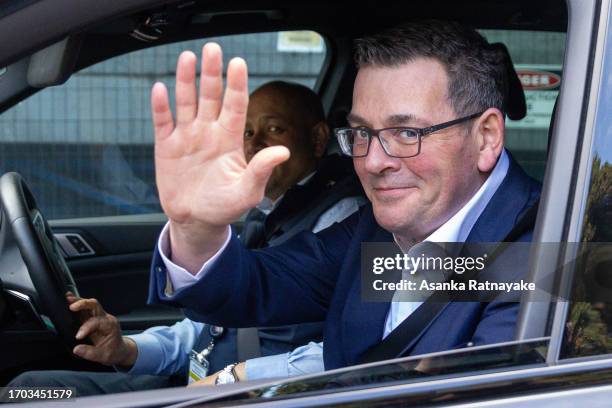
(109, 346)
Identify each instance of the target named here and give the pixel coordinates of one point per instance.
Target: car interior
(73, 90)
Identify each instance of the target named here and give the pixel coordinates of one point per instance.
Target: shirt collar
(266, 205)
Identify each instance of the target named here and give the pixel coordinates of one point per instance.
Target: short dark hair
(306, 101)
(476, 71)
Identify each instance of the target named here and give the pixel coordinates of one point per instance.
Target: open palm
(201, 172)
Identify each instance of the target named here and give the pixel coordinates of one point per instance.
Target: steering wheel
(41, 254)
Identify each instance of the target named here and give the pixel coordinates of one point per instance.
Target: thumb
(71, 298)
(90, 353)
(260, 168)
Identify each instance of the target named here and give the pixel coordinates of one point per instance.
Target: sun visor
(54, 64)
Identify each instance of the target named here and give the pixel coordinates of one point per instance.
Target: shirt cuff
(267, 367)
(306, 359)
(148, 347)
(179, 277)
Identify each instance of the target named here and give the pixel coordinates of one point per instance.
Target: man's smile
(388, 192)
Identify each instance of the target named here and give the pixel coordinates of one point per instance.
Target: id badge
(198, 367)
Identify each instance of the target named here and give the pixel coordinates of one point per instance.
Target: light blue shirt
(306, 359)
(164, 350)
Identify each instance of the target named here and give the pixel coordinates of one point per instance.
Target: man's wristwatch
(227, 375)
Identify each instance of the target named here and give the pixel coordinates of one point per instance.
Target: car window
(588, 325)
(401, 371)
(86, 147)
(537, 57)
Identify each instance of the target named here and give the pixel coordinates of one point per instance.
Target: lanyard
(215, 332)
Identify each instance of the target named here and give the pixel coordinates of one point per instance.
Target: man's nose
(377, 161)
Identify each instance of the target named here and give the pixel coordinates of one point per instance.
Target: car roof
(107, 25)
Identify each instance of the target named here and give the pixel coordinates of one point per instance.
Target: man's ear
(319, 137)
(489, 130)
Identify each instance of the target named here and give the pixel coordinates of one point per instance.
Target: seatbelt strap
(395, 343)
(247, 344)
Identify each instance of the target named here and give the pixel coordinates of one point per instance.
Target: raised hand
(109, 346)
(203, 179)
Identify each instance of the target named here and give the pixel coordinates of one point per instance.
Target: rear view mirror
(54, 64)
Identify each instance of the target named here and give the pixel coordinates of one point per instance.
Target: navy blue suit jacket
(313, 277)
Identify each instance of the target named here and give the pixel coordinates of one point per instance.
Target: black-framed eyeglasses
(401, 142)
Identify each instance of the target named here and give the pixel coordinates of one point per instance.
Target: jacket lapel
(510, 201)
(363, 322)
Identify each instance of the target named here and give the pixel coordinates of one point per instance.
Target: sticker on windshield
(541, 86)
(300, 41)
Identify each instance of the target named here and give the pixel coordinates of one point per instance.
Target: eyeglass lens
(399, 142)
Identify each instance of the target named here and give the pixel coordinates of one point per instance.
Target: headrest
(515, 105)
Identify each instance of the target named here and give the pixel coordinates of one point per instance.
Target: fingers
(235, 101)
(230, 109)
(90, 305)
(90, 353)
(99, 326)
(260, 167)
(119, 352)
(90, 326)
(186, 94)
(71, 298)
(211, 82)
(160, 110)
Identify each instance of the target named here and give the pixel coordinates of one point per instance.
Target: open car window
(411, 370)
(86, 147)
